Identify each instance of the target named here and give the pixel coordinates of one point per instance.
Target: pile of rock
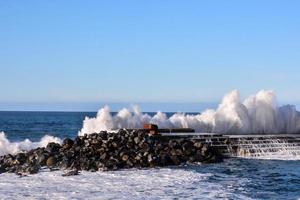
(111, 151)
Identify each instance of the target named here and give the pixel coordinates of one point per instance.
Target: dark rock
(42, 160)
(137, 140)
(21, 158)
(54, 169)
(78, 142)
(129, 163)
(198, 145)
(67, 143)
(52, 147)
(173, 152)
(21, 174)
(103, 156)
(71, 173)
(33, 169)
(150, 158)
(51, 162)
(173, 144)
(204, 150)
(175, 160)
(138, 157)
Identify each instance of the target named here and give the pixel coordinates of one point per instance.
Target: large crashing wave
(7, 147)
(257, 114)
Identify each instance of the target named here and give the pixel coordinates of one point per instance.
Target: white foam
(256, 114)
(7, 147)
(163, 183)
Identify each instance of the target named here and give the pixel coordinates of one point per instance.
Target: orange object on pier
(152, 128)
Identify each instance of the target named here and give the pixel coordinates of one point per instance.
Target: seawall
(112, 151)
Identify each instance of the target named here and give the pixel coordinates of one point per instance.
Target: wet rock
(78, 142)
(67, 143)
(51, 162)
(53, 147)
(173, 144)
(198, 145)
(150, 158)
(71, 173)
(41, 156)
(21, 174)
(54, 169)
(175, 160)
(103, 156)
(21, 158)
(33, 169)
(204, 150)
(2, 169)
(129, 163)
(42, 159)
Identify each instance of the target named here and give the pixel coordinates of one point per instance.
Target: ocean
(233, 179)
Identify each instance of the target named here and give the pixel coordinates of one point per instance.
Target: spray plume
(257, 114)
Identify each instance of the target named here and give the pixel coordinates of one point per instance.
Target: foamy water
(130, 184)
(233, 179)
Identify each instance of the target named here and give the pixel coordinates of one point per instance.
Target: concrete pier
(246, 145)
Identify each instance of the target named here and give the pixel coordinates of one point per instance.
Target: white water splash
(256, 114)
(7, 147)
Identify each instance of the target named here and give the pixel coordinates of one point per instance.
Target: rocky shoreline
(111, 151)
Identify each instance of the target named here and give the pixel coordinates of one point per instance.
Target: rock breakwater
(111, 151)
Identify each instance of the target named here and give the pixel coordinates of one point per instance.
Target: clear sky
(85, 52)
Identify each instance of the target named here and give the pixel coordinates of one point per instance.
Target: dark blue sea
(232, 179)
(34, 125)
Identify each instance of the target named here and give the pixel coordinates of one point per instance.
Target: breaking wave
(257, 114)
(7, 147)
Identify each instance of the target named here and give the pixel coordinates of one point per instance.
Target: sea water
(237, 178)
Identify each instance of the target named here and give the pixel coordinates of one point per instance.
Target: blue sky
(86, 53)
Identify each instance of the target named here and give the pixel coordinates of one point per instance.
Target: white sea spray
(257, 114)
(8, 147)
